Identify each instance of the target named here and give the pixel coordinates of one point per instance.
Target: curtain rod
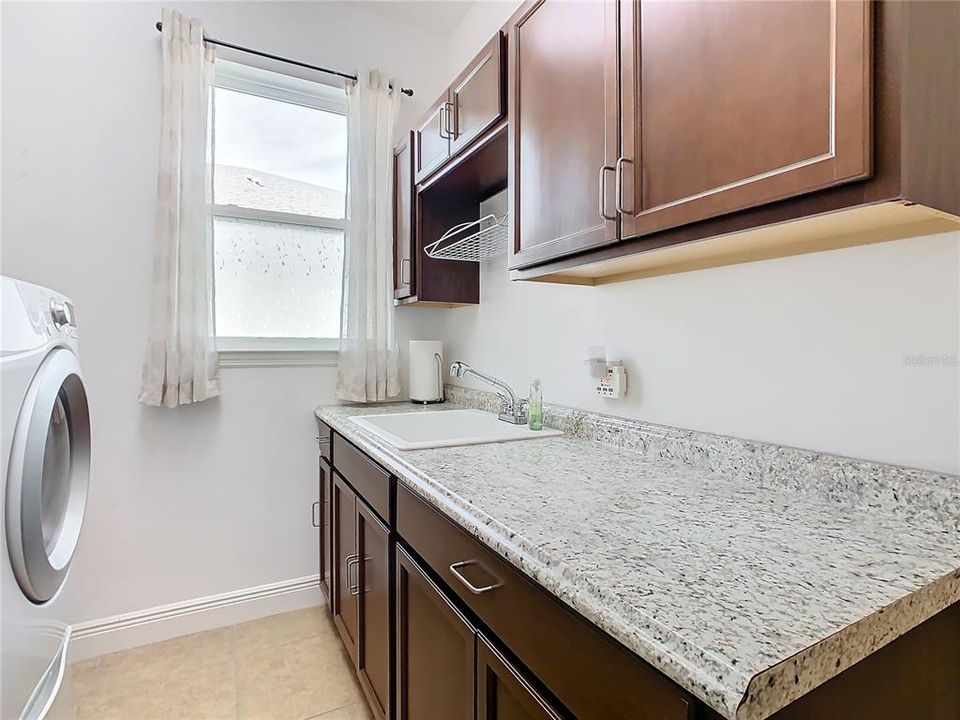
(406, 91)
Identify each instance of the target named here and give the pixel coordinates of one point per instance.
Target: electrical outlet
(613, 385)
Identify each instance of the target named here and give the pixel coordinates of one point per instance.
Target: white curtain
(367, 369)
(180, 365)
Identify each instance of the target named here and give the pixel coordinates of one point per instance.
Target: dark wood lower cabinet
(360, 601)
(344, 606)
(373, 609)
(325, 481)
(503, 693)
(435, 650)
(441, 628)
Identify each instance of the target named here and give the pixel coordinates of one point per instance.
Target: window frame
(277, 351)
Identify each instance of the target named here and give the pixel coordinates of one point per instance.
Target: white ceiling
(434, 16)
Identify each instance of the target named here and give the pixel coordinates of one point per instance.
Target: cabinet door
(326, 529)
(729, 105)
(477, 95)
(431, 146)
(435, 650)
(345, 565)
(563, 121)
(373, 657)
(502, 691)
(404, 283)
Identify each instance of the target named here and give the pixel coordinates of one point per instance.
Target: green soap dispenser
(535, 406)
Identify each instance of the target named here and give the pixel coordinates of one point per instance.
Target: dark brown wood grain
(915, 150)
(369, 480)
(344, 603)
(431, 140)
(563, 116)
(374, 611)
(444, 281)
(435, 649)
(404, 221)
(478, 95)
(503, 693)
(931, 105)
(325, 484)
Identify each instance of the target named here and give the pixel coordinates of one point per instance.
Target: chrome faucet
(512, 409)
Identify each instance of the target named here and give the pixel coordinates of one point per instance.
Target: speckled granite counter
(746, 593)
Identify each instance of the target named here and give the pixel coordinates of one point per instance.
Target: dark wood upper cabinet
(477, 96)
(404, 221)
(771, 100)
(325, 478)
(435, 649)
(373, 609)
(474, 103)
(563, 123)
(345, 560)
(432, 139)
(747, 131)
(503, 693)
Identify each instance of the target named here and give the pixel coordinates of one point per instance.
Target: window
(280, 157)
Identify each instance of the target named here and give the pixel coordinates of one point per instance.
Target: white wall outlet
(613, 385)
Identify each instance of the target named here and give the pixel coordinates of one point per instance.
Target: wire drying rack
(472, 241)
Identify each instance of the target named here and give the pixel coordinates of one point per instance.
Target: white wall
(204, 499)
(806, 351)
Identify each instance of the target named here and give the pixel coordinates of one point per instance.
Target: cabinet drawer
(588, 671)
(370, 481)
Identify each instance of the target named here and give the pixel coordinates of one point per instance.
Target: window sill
(277, 352)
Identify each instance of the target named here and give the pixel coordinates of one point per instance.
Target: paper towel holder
(442, 397)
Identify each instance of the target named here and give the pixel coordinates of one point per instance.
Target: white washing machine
(45, 474)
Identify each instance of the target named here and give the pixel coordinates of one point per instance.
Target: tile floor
(283, 667)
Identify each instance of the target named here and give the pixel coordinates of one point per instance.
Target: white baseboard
(121, 632)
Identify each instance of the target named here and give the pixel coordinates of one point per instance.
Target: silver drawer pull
(315, 515)
(467, 584)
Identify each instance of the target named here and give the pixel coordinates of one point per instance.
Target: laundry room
(475, 359)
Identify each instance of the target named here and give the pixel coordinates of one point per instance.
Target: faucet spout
(511, 409)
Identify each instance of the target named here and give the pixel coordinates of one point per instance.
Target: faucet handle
(513, 412)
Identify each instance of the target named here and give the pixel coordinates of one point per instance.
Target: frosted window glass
(277, 279)
(274, 155)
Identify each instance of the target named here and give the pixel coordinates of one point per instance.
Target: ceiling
(433, 16)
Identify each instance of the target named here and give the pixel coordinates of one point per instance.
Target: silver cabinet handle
(315, 515)
(405, 276)
(444, 131)
(604, 169)
(352, 562)
(452, 132)
(454, 568)
(619, 184)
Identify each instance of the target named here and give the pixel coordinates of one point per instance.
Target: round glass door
(48, 476)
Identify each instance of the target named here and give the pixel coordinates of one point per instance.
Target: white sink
(446, 428)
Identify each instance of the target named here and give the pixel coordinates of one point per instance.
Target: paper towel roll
(426, 371)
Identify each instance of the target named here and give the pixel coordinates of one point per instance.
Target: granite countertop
(746, 594)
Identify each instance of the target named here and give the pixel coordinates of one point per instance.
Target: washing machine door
(47, 476)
